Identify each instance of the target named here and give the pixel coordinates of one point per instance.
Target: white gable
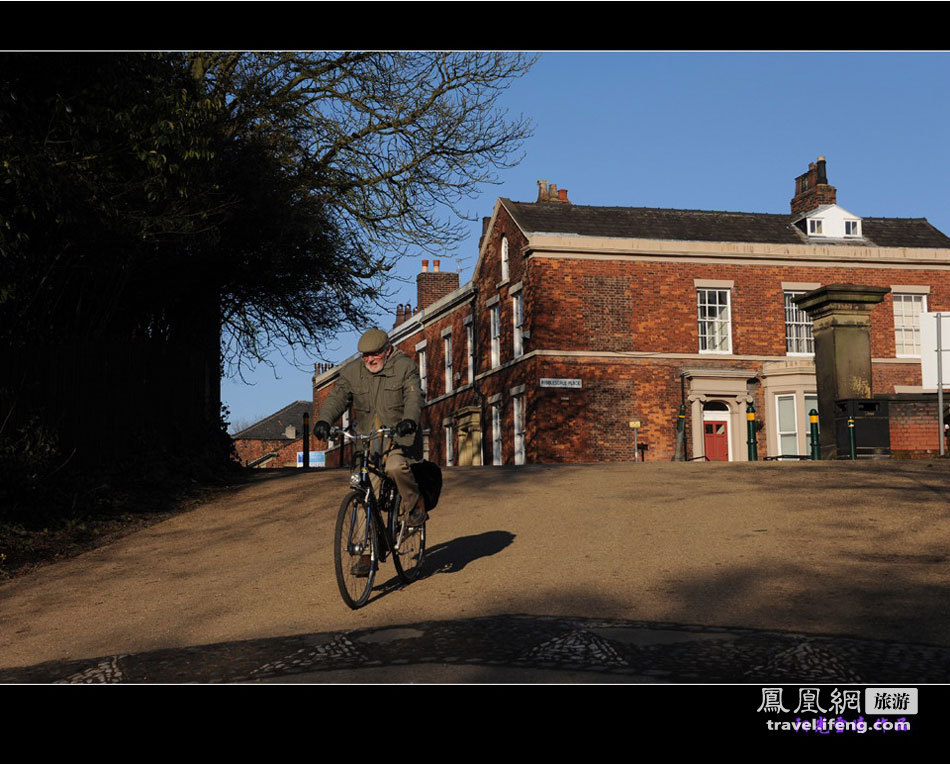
(830, 222)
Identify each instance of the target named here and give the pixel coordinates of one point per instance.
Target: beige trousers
(397, 468)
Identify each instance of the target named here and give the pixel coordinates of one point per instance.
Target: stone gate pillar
(841, 323)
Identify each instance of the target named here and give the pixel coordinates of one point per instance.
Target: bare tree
(382, 148)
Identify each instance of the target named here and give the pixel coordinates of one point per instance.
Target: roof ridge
(273, 415)
(554, 205)
(670, 223)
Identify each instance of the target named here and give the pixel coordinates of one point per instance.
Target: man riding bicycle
(384, 389)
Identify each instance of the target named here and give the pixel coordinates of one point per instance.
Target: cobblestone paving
(641, 651)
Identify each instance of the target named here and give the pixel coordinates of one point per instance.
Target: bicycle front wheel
(355, 556)
(410, 547)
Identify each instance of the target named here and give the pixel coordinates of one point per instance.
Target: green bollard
(815, 447)
(753, 447)
(679, 454)
(854, 448)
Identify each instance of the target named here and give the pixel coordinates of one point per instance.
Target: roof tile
(709, 225)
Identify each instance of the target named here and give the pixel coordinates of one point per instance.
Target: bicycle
(361, 529)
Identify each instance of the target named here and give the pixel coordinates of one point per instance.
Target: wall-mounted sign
(317, 459)
(561, 382)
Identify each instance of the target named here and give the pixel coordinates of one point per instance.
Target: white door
(787, 425)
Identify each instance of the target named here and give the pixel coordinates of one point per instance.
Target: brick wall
(652, 306)
(250, 449)
(914, 428)
(489, 274)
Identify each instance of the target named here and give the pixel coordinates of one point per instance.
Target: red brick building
(581, 320)
(274, 441)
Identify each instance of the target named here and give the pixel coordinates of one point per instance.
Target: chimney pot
(425, 266)
(435, 266)
(562, 195)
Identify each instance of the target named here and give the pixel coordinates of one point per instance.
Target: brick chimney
(812, 189)
(400, 315)
(434, 285)
(550, 193)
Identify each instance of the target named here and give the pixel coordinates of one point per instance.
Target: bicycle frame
(360, 479)
(361, 517)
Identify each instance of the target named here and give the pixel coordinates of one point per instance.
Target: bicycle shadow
(452, 556)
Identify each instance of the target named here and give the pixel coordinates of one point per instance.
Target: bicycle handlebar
(334, 432)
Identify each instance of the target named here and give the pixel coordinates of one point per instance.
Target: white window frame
(447, 353)
(805, 399)
(504, 258)
(907, 324)
(518, 423)
(702, 301)
(800, 323)
(496, 434)
(449, 445)
(814, 226)
(517, 319)
(495, 313)
(470, 345)
(344, 425)
(421, 363)
(855, 224)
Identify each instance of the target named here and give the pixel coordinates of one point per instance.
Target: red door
(717, 441)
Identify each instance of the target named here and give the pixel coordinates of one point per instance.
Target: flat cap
(372, 341)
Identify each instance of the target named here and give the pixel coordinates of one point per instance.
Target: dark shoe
(417, 517)
(362, 566)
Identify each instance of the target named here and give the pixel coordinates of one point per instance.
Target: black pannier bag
(428, 476)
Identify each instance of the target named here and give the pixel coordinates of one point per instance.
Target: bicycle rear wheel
(355, 538)
(411, 543)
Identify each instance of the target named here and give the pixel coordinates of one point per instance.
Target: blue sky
(699, 130)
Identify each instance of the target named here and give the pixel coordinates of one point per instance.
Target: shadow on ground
(518, 649)
(452, 556)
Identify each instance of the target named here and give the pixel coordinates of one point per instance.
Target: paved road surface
(669, 573)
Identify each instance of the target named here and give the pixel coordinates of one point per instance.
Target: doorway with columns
(718, 401)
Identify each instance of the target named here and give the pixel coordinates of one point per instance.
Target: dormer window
(829, 222)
